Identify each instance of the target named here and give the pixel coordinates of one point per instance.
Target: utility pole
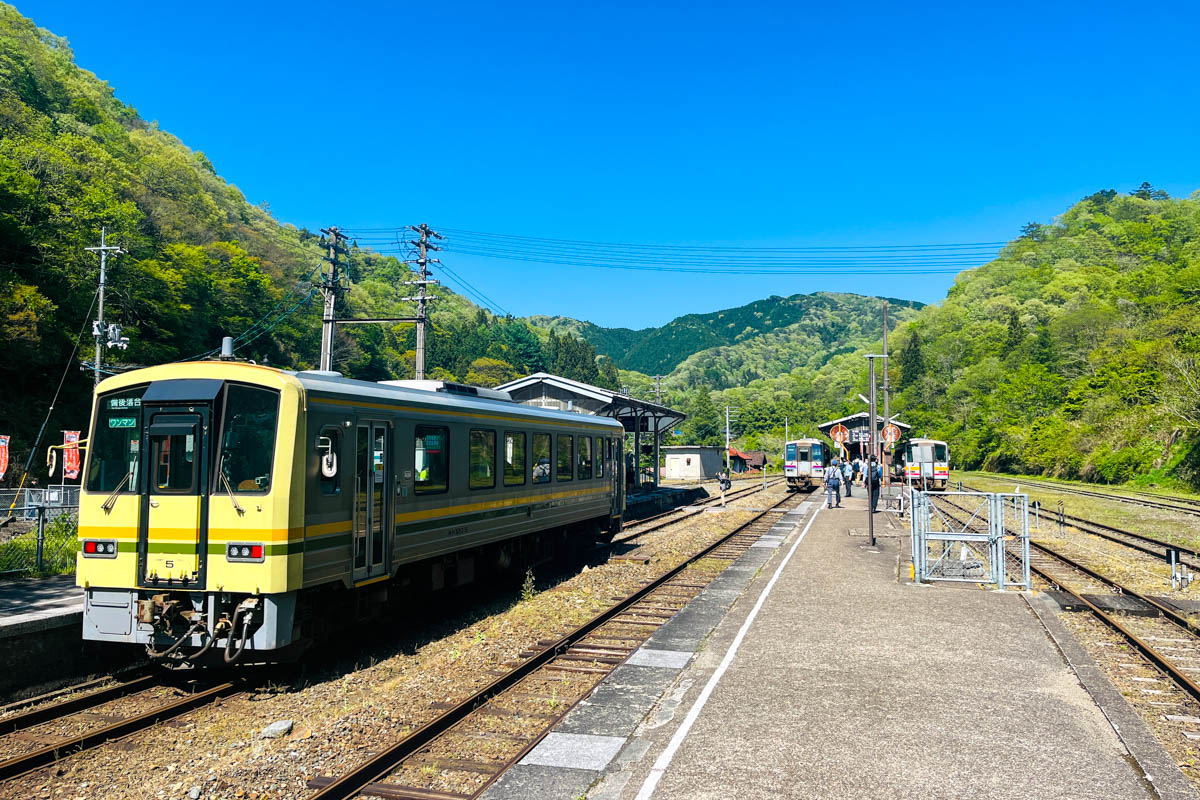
(98, 329)
(423, 246)
(331, 289)
(658, 389)
(887, 414)
(874, 439)
(785, 430)
(729, 411)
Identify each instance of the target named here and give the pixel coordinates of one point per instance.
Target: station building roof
(859, 420)
(544, 390)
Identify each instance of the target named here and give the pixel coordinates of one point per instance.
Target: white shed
(692, 462)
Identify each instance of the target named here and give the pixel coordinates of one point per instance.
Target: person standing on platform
(833, 485)
(725, 483)
(874, 479)
(847, 476)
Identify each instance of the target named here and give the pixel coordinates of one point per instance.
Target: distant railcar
(927, 463)
(238, 509)
(804, 462)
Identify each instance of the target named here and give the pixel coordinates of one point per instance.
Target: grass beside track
(1173, 526)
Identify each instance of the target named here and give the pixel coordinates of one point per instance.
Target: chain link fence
(38, 531)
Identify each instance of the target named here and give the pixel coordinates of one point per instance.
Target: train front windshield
(818, 453)
(790, 452)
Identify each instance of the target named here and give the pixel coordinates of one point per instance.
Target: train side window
(329, 456)
(541, 458)
(566, 457)
(514, 458)
(431, 459)
(585, 458)
(599, 457)
(482, 462)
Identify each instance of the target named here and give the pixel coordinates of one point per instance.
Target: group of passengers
(847, 473)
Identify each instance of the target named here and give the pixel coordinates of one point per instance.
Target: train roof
(798, 441)
(916, 440)
(332, 384)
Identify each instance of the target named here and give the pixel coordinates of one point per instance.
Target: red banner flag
(71, 455)
(3, 456)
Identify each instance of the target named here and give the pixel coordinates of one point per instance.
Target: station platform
(647, 503)
(41, 620)
(812, 668)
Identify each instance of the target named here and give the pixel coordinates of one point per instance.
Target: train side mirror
(329, 459)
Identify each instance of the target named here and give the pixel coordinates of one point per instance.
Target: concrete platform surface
(36, 604)
(849, 684)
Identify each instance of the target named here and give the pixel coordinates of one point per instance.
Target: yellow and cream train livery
(233, 510)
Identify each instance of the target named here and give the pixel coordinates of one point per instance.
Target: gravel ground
(343, 715)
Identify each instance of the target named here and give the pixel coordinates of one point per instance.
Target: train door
(372, 500)
(613, 453)
(173, 535)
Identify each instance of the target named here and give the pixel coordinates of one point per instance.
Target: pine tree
(912, 362)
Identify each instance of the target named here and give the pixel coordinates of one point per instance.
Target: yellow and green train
(229, 508)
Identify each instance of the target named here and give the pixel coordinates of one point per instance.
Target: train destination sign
(122, 422)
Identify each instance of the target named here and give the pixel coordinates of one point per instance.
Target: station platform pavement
(37, 604)
(814, 669)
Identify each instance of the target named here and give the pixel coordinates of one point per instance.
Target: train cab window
(247, 439)
(514, 458)
(939, 452)
(482, 462)
(329, 454)
(431, 459)
(566, 458)
(174, 459)
(599, 457)
(585, 458)
(789, 451)
(541, 458)
(116, 442)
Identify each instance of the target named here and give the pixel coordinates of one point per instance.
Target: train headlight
(99, 548)
(244, 551)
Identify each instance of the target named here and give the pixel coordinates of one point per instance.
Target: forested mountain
(801, 326)
(1075, 353)
(201, 262)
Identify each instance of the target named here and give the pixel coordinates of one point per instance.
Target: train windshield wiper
(224, 479)
(108, 504)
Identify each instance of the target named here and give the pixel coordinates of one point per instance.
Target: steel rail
(1104, 496)
(74, 705)
(708, 501)
(1104, 530)
(378, 767)
(69, 746)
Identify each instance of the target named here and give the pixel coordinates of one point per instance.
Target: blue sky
(755, 125)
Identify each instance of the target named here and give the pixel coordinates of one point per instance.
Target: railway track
(1180, 504)
(678, 514)
(42, 730)
(481, 737)
(1149, 545)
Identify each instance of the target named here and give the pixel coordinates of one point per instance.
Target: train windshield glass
(790, 452)
(247, 439)
(116, 442)
(818, 453)
(939, 452)
(923, 452)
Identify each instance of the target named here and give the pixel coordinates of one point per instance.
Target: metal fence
(38, 530)
(971, 537)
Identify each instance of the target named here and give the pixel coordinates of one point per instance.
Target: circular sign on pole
(839, 433)
(891, 434)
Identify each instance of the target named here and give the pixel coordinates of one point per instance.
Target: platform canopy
(544, 390)
(860, 429)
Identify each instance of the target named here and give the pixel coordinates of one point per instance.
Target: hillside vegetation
(201, 263)
(803, 330)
